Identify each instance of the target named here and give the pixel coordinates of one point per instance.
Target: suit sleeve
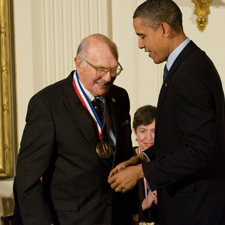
(33, 161)
(150, 153)
(194, 127)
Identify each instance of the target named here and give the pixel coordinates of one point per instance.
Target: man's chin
(102, 92)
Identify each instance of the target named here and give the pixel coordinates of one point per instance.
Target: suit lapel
(111, 115)
(78, 112)
(186, 51)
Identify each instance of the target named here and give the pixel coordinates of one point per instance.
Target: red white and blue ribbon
(144, 179)
(87, 104)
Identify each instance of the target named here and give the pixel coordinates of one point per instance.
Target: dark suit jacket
(58, 143)
(16, 218)
(189, 170)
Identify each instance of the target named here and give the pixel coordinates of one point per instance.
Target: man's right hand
(135, 160)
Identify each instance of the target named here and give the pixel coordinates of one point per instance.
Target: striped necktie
(98, 106)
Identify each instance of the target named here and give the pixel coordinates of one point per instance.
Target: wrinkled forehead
(101, 45)
(101, 52)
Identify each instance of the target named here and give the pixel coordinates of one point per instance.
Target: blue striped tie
(98, 106)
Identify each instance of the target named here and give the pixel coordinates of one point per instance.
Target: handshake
(126, 175)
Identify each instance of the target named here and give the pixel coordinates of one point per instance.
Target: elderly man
(187, 161)
(73, 144)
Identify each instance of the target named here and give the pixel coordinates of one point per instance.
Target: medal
(103, 149)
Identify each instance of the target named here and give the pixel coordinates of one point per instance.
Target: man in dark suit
(73, 148)
(187, 161)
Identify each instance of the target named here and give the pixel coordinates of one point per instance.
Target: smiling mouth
(102, 84)
(149, 144)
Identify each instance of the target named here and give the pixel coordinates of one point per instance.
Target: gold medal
(103, 149)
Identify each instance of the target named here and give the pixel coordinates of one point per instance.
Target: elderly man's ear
(78, 63)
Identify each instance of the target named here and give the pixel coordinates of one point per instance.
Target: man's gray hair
(83, 46)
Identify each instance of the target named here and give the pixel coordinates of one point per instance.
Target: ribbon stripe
(87, 104)
(144, 179)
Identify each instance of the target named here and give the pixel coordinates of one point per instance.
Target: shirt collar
(175, 53)
(90, 96)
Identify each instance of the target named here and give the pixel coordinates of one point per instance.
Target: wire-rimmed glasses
(101, 71)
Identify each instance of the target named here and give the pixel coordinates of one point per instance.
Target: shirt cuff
(146, 156)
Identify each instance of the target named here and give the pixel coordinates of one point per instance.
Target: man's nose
(140, 43)
(107, 77)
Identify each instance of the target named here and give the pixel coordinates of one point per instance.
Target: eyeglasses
(101, 71)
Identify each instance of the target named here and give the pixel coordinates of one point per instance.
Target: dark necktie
(98, 106)
(165, 72)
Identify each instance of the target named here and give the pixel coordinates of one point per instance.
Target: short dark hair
(154, 12)
(144, 115)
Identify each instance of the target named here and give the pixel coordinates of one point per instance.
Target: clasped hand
(126, 174)
(148, 201)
